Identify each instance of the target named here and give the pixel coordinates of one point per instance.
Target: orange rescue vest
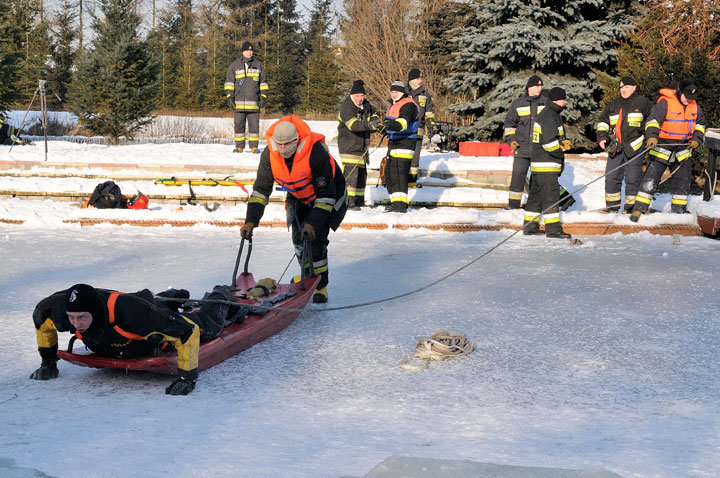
(297, 182)
(680, 121)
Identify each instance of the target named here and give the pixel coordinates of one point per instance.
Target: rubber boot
(678, 209)
(531, 228)
(635, 216)
(555, 231)
(320, 296)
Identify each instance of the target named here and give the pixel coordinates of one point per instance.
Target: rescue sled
(265, 317)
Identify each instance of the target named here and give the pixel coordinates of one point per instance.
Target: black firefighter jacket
(632, 113)
(519, 122)
(354, 131)
(140, 326)
(547, 156)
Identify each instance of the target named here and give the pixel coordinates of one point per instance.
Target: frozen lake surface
(601, 356)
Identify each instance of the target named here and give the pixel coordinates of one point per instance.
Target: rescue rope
(441, 346)
(456, 271)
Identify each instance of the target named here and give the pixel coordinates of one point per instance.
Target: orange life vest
(680, 121)
(393, 113)
(297, 182)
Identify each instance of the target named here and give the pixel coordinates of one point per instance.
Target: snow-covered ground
(598, 356)
(601, 356)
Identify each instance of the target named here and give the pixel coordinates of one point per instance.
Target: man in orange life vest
(401, 123)
(130, 325)
(677, 120)
(298, 160)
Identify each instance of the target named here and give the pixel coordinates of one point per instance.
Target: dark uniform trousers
(517, 180)
(632, 172)
(396, 177)
(355, 181)
(544, 192)
(253, 128)
(297, 214)
(679, 182)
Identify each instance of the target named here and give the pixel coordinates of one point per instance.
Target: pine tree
(320, 91)
(506, 41)
(33, 44)
(10, 58)
(284, 56)
(59, 74)
(211, 21)
(115, 88)
(181, 73)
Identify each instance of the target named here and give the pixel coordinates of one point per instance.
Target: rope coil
(441, 346)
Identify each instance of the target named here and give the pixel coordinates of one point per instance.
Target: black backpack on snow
(106, 196)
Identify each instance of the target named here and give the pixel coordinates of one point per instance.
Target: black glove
(389, 124)
(263, 101)
(374, 123)
(181, 386)
(46, 371)
(231, 102)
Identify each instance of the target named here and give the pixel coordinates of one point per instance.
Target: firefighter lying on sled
(131, 325)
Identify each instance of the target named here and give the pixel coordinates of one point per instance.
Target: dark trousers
(396, 180)
(679, 184)
(544, 192)
(517, 181)
(632, 173)
(355, 182)
(253, 129)
(297, 214)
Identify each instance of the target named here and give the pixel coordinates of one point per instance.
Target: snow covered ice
(602, 356)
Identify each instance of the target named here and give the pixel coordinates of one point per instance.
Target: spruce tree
(320, 90)
(33, 44)
(115, 87)
(564, 41)
(211, 21)
(181, 73)
(284, 56)
(59, 74)
(10, 58)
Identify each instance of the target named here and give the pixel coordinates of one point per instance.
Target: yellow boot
(320, 296)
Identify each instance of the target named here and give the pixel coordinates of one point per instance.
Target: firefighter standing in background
(675, 119)
(356, 120)
(401, 124)
(518, 134)
(546, 161)
(620, 132)
(246, 91)
(298, 160)
(426, 117)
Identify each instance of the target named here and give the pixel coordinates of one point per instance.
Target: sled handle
(237, 261)
(306, 258)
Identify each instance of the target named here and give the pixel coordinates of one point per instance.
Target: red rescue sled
(259, 324)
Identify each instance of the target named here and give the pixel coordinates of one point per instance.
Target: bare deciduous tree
(379, 39)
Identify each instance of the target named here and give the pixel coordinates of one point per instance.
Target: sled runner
(262, 321)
